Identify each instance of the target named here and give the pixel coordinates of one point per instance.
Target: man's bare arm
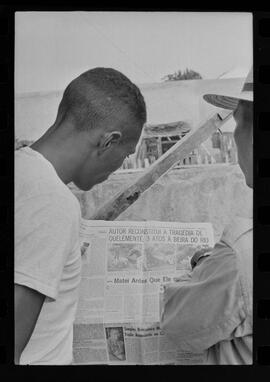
(28, 304)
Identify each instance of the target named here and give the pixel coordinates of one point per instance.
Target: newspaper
(125, 265)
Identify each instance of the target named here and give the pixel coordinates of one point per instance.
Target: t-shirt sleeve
(44, 238)
(206, 308)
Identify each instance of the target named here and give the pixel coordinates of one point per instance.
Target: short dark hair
(99, 94)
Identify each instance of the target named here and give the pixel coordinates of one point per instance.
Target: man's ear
(112, 137)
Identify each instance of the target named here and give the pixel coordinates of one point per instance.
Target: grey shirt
(211, 311)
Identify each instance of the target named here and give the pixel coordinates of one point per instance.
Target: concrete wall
(213, 193)
(166, 102)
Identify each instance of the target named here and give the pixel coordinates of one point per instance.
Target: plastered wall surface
(214, 193)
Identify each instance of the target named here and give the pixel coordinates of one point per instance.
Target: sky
(52, 48)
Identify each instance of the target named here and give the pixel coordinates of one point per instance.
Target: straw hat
(230, 101)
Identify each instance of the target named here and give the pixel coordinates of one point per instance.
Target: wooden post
(159, 147)
(125, 198)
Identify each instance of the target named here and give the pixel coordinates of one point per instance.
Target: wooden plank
(125, 198)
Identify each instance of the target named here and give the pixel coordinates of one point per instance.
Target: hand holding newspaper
(125, 265)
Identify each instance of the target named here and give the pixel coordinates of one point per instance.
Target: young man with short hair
(98, 124)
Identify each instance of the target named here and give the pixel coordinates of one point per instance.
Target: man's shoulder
(36, 178)
(238, 237)
(234, 250)
(33, 173)
(239, 231)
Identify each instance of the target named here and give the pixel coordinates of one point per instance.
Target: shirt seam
(243, 292)
(35, 153)
(52, 290)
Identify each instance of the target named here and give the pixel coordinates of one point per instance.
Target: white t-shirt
(47, 254)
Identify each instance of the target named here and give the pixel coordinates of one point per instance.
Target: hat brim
(225, 102)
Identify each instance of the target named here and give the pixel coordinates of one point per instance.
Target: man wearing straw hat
(211, 311)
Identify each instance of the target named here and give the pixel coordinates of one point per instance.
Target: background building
(173, 109)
